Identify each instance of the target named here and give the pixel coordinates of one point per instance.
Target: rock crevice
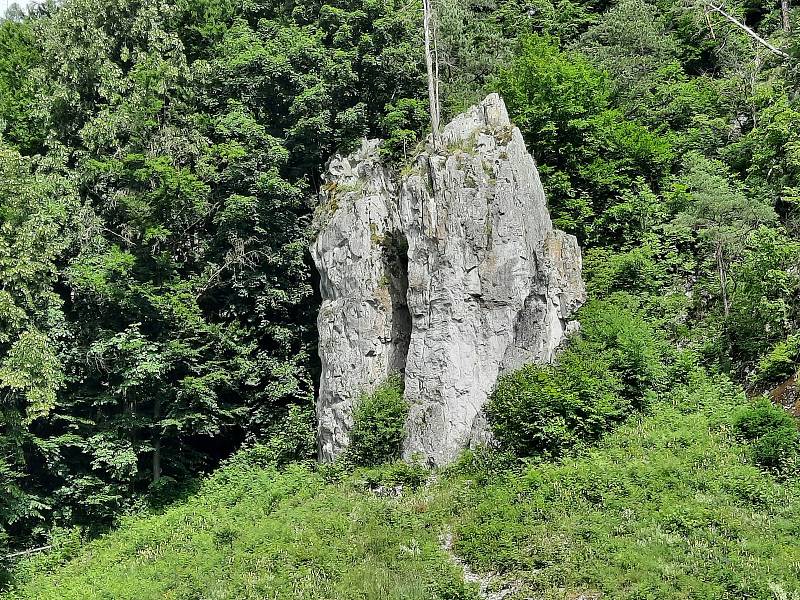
(450, 273)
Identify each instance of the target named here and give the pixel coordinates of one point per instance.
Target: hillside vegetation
(159, 164)
(668, 506)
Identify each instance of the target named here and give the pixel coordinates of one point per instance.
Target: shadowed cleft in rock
(450, 274)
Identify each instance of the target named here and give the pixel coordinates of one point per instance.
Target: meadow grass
(669, 505)
(259, 534)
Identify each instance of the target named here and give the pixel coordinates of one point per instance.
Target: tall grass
(669, 505)
(259, 534)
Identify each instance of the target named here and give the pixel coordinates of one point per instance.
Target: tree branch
(26, 552)
(748, 31)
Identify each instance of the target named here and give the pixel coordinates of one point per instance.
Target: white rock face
(451, 274)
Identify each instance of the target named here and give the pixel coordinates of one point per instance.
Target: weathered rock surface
(451, 273)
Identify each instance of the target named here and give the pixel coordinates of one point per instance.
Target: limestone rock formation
(451, 273)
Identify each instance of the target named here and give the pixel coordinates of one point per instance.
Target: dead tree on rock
(432, 64)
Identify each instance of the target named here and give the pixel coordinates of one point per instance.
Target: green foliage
(396, 476)
(718, 210)
(472, 45)
(637, 271)
(763, 417)
(661, 508)
(405, 120)
(157, 165)
(608, 371)
(379, 422)
(549, 410)
(780, 363)
(18, 56)
(777, 450)
(714, 213)
(32, 368)
(292, 436)
(715, 206)
(768, 155)
(37, 225)
(637, 351)
(252, 531)
(764, 308)
(588, 151)
(637, 77)
(772, 432)
(156, 310)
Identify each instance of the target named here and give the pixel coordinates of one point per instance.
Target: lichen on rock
(451, 274)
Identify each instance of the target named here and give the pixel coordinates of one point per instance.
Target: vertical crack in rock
(451, 274)
(395, 256)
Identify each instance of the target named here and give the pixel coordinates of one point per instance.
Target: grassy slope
(668, 506)
(255, 533)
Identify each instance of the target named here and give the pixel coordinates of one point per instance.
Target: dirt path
(485, 582)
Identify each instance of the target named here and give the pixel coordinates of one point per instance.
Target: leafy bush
(763, 417)
(292, 436)
(780, 363)
(660, 508)
(607, 372)
(404, 120)
(772, 432)
(636, 350)
(548, 409)
(483, 464)
(379, 425)
(636, 271)
(411, 475)
(776, 450)
(764, 307)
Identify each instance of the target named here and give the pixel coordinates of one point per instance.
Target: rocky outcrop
(450, 272)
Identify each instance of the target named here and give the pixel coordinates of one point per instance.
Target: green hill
(668, 505)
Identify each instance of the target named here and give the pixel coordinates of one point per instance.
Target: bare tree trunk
(710, 25)
(432, 64)
(723, 281)
(747, 30)
(26, 552)
(156, 440)
(787, 26)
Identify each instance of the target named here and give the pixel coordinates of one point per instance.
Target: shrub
(411, 475)
(636, 351)
(763, 417)
(764, 307)
(292, 437)
(776, 450)
(608, 371)
(483, 464)
(772, 433)
(780, 363)
(379, 425)
(403, 121)
(548, 409)
(637, 271)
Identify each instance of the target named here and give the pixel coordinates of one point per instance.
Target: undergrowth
(256, 533)
(668, 505)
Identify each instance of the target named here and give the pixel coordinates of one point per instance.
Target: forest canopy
(160, 160)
